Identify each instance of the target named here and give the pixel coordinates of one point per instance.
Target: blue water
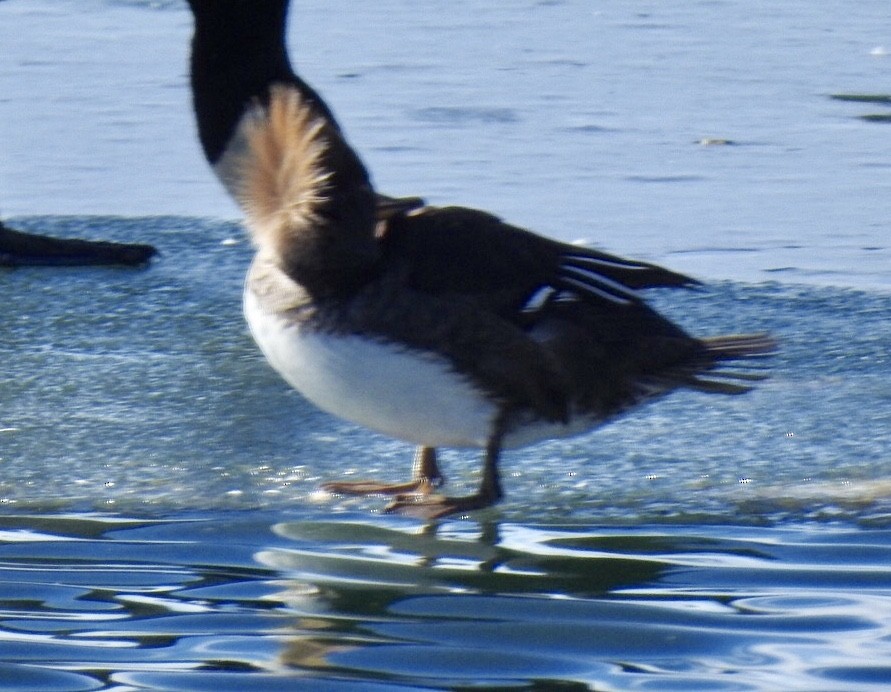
(161, 524)
(286, 601)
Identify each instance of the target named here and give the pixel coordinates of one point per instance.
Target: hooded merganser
(438, 326)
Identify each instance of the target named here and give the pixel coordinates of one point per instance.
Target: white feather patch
(402, 393)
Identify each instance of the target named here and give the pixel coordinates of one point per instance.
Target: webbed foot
(426, 477)
(420, 486)
(436, 506)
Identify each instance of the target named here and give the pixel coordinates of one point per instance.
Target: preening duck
(443, 327)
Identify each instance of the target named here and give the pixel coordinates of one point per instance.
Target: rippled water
(160, 520)
(287, 601)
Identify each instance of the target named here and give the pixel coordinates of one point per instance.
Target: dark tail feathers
(708, 374)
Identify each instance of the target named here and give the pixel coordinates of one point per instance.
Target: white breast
(402, 393)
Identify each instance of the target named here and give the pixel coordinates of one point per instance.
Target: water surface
(578, 120)
(287, 601)
(161, 525)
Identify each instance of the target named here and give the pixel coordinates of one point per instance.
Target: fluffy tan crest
(281, 178)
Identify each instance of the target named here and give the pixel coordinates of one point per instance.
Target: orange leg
(427, 505)
(426, 477)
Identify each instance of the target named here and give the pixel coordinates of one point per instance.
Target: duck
(444, 327)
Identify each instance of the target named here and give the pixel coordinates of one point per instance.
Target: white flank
(405, 394)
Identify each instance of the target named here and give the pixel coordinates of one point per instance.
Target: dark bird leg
(434, 506)
(425, 478)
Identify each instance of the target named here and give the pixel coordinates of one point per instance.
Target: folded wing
(456, 250)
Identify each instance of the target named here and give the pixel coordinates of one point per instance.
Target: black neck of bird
(238, 52)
